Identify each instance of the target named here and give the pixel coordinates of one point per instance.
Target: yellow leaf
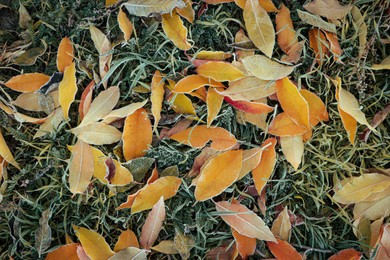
(132, 253)
(361, 29)
(187, 12)
(122, 112)
(285, 29)
(166, 247)
(101, 106)
(98, 133)
(250, 160)
(330, 9)
(281, 227)
(372, 209)
(157, 97)
(360, 188)
(220, 71)
(249, 88)
(21, 117)
(137, 134)
(28, 82)
(259, 27)
(65, 54)
(93, 243)
(217, 175)
(266, 69)
(265, 168)
(37, 102)
(244, 221)
(153, 224)
(68, 89)
(292, 148)
(111, 2)
(183, 244)
(214, 102)
(125, 25)
(194, 82)
(181, 104)
(175, 30)
(198, 136)
(292, 102)
(126, 239)
(6, 154)
(81, 167)
(51, 124)
(213, 55)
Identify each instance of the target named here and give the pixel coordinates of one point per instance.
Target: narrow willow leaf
(98, 134)
(281, 227)
(259, 26)
(286, 35)
(126, 239)
(214, 102)
(68, 89)
(183, 244)
(220, 71)
(263, 68)
(283, 250)
(361, 26)
(122, 112)
(81, 167)
(157, 97)
(147, 7)
(6, 154)
(265, 168)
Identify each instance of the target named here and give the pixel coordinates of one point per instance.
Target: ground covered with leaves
(327, 190)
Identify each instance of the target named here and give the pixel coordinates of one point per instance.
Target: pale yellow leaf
(132, 253)
(263, 68)
(384, 65)
(214, 102)
(68, 89)
(249, 88)
(166, 247)
(125, 25)
(147, 7)
(37, 102)
(6, 153)
(98, 133)
(292, 148)
(316, 21)
(183, 244)
(281, 227)
(122, 112)
(250, 160)
(330, 9)
(372, 209)
(51, 124)
(157, 97)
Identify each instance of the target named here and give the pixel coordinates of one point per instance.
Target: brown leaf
(330, 9)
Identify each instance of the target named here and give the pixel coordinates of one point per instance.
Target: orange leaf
(187, 12)
(293, 102)
(125, 25)
(347, 254)
(266, 166)
(383, 244)
(200, 160)
(67, 89)
(285, 29)
(126, 239)
(215, 2)
(6, 154)
(198, 136)
(335, 48)
(214, 102)
(249, 107)
(318, 43)
(244, 221)
(246, 246)
(81, 167)
(268, 5)
(28, 82)
(217, 175)
(153, 224)
(65, 54)
(194, 82)
(154, 176)
(175, 30)
(283, 125)
(250, 160)
(220, 71)
(317, 108)
(137, 134)
(86, 99)
(111, 2)
(68, 251)
(283, 250)
(157, 97)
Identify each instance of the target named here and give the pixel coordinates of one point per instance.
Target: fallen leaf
(183, 244)
(30, 56)
(28, 82)
(292, 148)
(51, 124)
(317, 109)
(198, 136)
(283, 250)
(153, 224)
(126, 239)
(379, 117)
(250, 160)
(166, 247)
(241, 38)
(86, 99)
(147, 7)
(319, 44)
(223, 252)
(283, 125)
(250, 107)
(292, 102)
(220, 71)
(244, 221)
(259, 27)
(6, 154)
(43, 233)
(122, 112)
(249, 88)
(68, 89)
(101, 106)
(81, 167)
(187, 12)
(214, 102)
(132, 253)
(194, 82)
(245, 246)
(24, 17)
(33, 101)
(375, 230)
(215, 2)
(335, 48)
(157, 97)
(65, 54)
(98, 134)
(330, 9)
(383, 246)
(21, 118)
(125, 25)
(281, 228)
(265, 168)
(361, 29)
(137, 134)
(384, 65)
(139, 167)
(350, 254)
(68, 251)
(286, 35)
(372, 209)
(213, 55)
(316, 21)
(217, 175)
(263, 68)
(175, 30)
(93, 243)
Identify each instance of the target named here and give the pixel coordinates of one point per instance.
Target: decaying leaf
(43, 233)
(259, 26)
(153, 224)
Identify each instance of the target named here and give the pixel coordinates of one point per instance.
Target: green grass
(322, 227)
